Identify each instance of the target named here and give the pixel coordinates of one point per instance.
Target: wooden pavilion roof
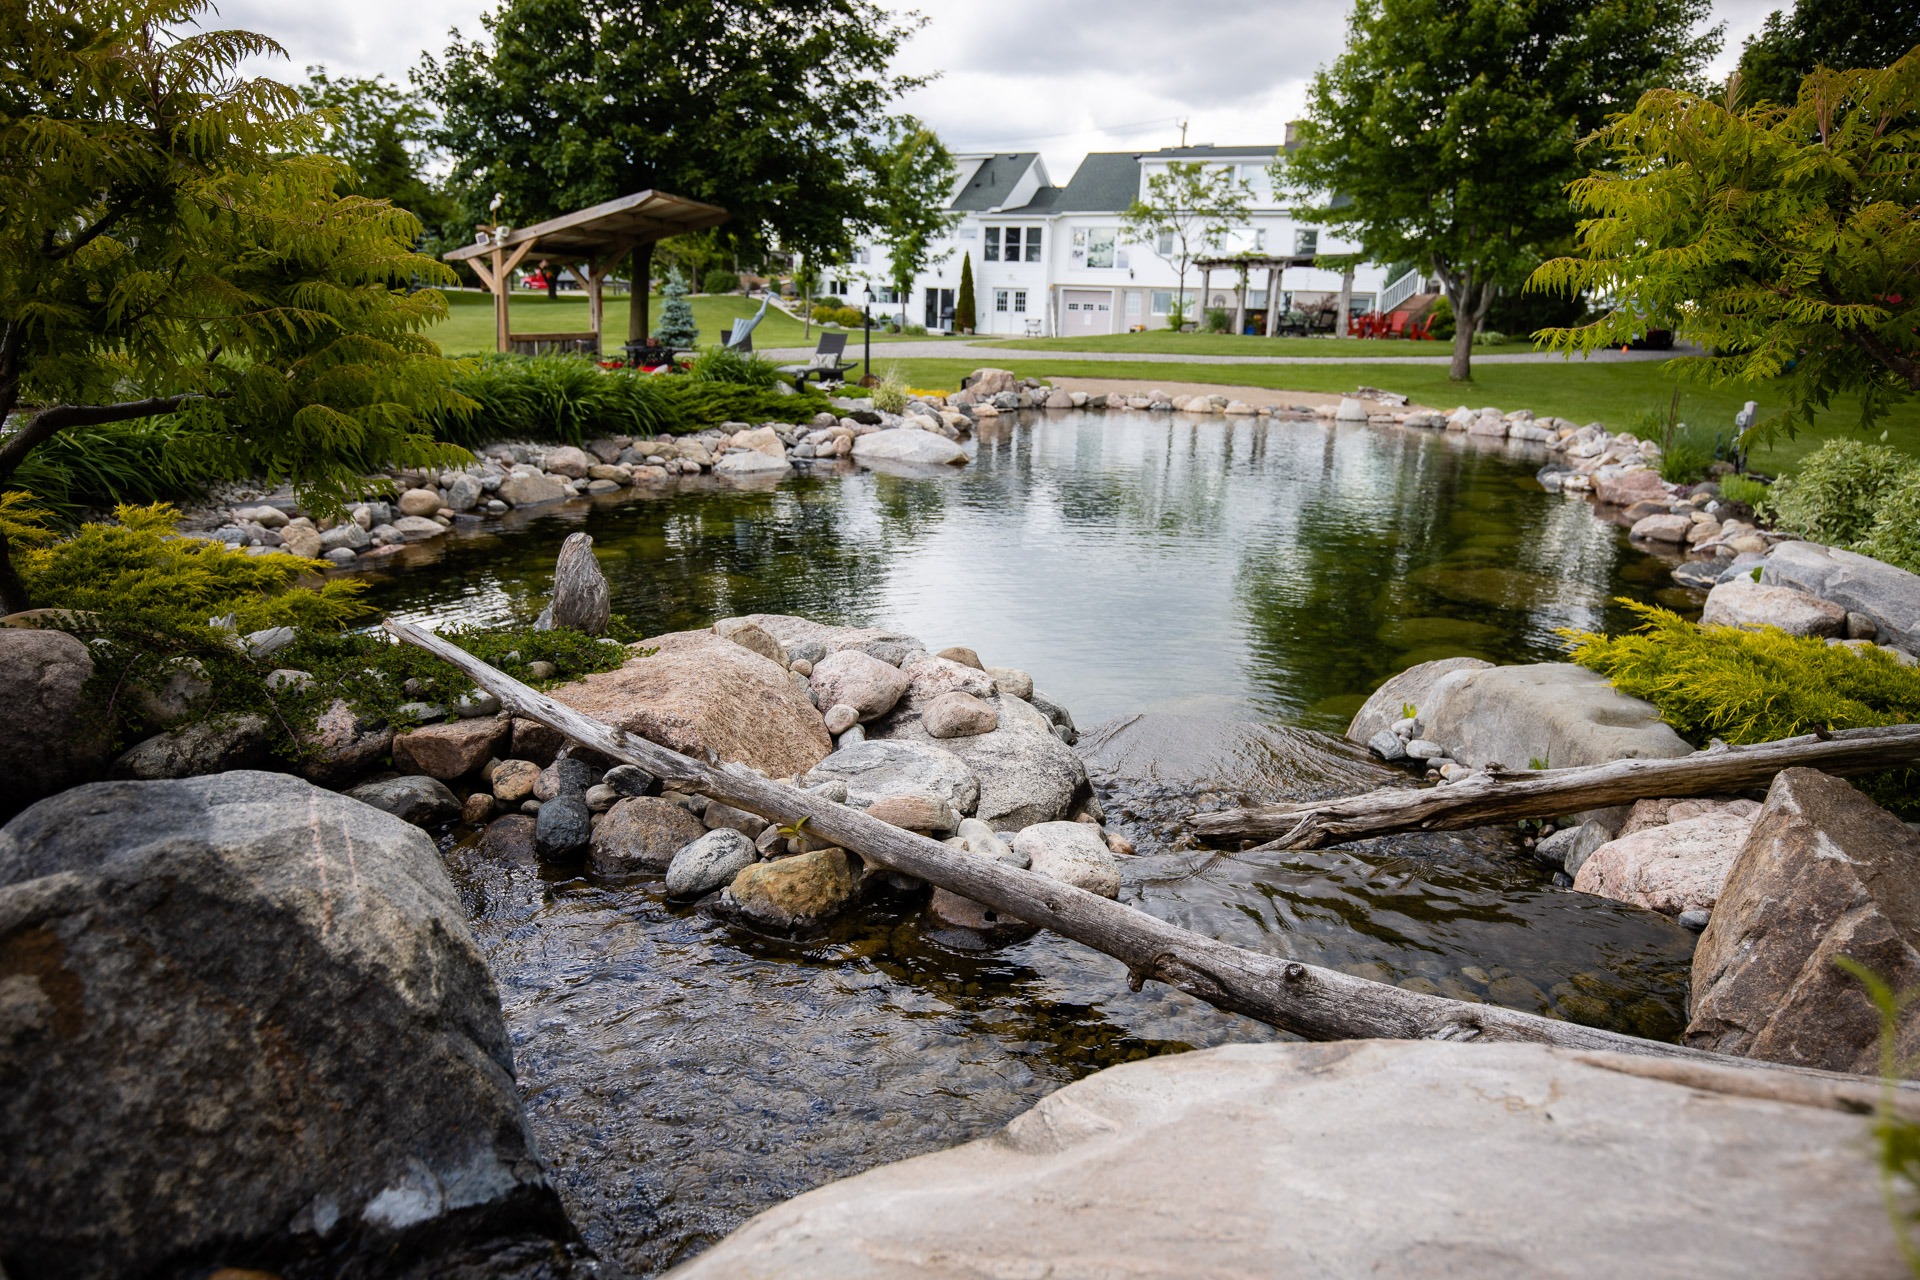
(1257, 261)
(592, 233)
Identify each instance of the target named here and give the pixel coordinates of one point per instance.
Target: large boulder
(452, 750)
(211, 746)
(799, 636)
(1410, 688)
(858, 680)
(1553, 712)
(1624, 488)
(1674, 867)
(531, 491)
(641, 834)
(907, 444)
(1858, 584)
(1825, 873)
(1026, 773)
(1366, 1158)
(244, 1022)
(876, 769)
(48, 739)
(986, 383)
(1742, 602)
(701, 693)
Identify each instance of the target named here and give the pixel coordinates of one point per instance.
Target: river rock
(1624, 488)
(1742, 602)
(1824, 873)
(1570, 847)
(418, 528)
(984, 384)
(305, 1070)
(341, 746)
(915, 813)
(753, 637)
(1554, 712)
(1675, 867)
(564, 824)
(709, 862)
(750, 462)
(1012, 680)
(852, 678)
(511, 839)
(1410, 687)
(1888, 596)
(1026, 773)
(719, 816)
(580, 597)
(805, 638)
(800, 892)
(878, 768)
(1072, 853)
(345, 537)
(642, 834)
(1662, 528)
(630, 780)
(531, 491)
(419, 502)
(906, 444)
(211, 746)
(699, 694)
(464, 494)
(452, 750)
(303, 541)
(566, 461)
(514, 780)
(959, 715)
(566, 776)
(420, 800)
(50, 737)
(1452, 1154)
(962, 655)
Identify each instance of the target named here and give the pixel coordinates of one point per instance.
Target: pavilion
(1244, 265)
(589, 243)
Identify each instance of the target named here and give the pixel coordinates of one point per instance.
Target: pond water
(1162, 574)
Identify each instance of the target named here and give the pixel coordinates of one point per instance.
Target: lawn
(468, 328)
(1631, 396)
(1164, 342)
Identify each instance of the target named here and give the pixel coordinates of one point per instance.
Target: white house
(1053, 259)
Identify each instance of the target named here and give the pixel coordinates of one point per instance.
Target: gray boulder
(48, 738)
(1452, 1155)
(422, 801)
(854, 678)
(1824, 873)
(878, 768)
(212, 746)
(1554, 712)
(1026, 773)
(304, 1072)
(1414, 687)
(564, 824)
(531, 490)
(1742, 602)
(1072, 853)
(581, 601)
(1858, 584)
(709, 863)
(909, 445)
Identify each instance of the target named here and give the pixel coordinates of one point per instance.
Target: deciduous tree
(767, 108)
(1189, 209)
(1445, 134)
(170, 244)
(910, 202)
(1786, 241)
(384, 133)
(1824, 33)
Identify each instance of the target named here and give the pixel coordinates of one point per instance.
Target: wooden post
(503, 265)
(1346, 304)
(1240, 301)
(1273, 300)
(1206, 298)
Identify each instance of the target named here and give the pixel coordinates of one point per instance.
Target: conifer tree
(677, 325)
(172, 243)
(963, 306)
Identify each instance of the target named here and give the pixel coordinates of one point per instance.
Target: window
(863, 255)
(1020, 244)
(1094, 246)
(1260, 241)
(885, 297)
(1019, 299)
(1033, 244)
(992, 252)
(1012, 243)
(1162, 302)
(1000, 299)
(1306, 240)
(1164, 245)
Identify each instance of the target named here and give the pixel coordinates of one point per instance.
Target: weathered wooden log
(1319, 1004)
(1502, 797)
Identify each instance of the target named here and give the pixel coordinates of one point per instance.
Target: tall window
(1306, 240)
(992, 250)
(1000, 299)
(1033, 244)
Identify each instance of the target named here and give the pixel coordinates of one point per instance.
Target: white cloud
(1062, 77)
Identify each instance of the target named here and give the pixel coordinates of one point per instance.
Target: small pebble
(601, 797)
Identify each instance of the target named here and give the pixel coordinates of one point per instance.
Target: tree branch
(46, 424)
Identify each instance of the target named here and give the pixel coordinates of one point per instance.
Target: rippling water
(683, 1074)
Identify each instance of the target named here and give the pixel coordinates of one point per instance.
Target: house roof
(993, 181)
(1105, 182)
(1208, 152)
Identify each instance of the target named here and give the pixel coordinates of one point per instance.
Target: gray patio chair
(826, 365)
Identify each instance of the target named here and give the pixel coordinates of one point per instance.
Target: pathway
(986, 353)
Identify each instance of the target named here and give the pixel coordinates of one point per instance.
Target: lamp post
(866, 338)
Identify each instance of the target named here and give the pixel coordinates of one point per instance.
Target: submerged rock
(1454, 1154)
(306, 1071)
(800, 892)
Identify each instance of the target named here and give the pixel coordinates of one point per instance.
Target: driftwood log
(1316, 1003)
(1502, 797)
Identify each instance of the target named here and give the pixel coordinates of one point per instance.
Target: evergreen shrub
(1837, 492)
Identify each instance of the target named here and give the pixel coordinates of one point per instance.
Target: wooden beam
(1503, 797)
(1320, 1004)
(1273, 299)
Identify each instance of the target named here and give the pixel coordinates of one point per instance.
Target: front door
(1086, 312)
(939, 309)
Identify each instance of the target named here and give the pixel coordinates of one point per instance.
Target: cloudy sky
(1062, 77)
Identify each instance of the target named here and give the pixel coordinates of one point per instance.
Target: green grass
(468, 328)
(1164, 342)
(1620, 395)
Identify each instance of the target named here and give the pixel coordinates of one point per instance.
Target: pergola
(1275, 266)
(590, 243)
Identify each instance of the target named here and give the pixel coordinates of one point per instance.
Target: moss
(1759, 685)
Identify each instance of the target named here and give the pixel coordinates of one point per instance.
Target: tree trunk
(1319, 1004)
(1504, 797)
(13, 592)
(1461, 370)
(640, 296)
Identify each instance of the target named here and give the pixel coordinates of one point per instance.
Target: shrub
(963, 303)
(736, 368)
(1440, 320)
(1488, 338)
(890, 393)
(1835, 495)
(97, 468)
(720, 280)
(1218, 321)
(1895, 535)
(1686, 453)
(1746, 490)
(1747, 686)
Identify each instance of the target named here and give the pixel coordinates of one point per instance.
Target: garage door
(1087, 311)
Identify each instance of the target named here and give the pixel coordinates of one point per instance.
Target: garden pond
(1196, 592)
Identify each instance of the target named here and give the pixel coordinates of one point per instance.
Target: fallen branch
(1501, 797)
(1319, 1004)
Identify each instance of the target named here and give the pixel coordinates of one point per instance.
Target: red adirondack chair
(1395, 325)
